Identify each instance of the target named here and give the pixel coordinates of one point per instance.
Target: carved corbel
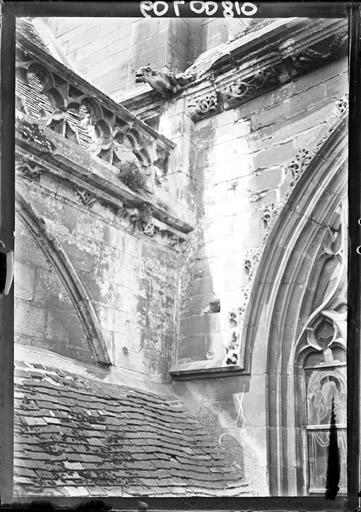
(268, 212)
(298, 165)
(204, 106)
(85, 197)
(146, 220)
(29, 169)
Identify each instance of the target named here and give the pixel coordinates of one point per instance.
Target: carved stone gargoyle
(165, 82)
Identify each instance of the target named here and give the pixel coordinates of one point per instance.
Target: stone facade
(177, 236)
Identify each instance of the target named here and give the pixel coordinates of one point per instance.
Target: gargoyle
(165, 82)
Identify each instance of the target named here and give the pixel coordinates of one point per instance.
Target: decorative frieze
(142, 219)
(287, 58)
(243, 89)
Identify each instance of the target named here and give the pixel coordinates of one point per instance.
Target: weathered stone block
(192, 348)
(30, 319)
(274, 155)
(24, 281)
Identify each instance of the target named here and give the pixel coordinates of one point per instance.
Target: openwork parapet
(58, 99)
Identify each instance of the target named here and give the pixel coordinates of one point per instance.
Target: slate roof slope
(76, 436)
(27, 30)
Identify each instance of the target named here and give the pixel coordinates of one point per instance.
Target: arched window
(320, 369)
(324, 376)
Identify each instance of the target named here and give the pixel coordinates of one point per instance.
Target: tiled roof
(77, 436)
(25, 28)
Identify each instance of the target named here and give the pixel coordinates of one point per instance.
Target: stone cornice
(254, 64)
(250, 70)
(92, 180)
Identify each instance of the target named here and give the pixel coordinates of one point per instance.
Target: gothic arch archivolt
(284, 293)
(73, 284)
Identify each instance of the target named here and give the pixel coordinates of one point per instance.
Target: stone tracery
(75, 114)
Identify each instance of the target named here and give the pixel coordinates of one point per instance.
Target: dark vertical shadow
(333, 460)
(354, 262)
(7, 113)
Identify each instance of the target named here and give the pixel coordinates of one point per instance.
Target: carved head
(143, 74)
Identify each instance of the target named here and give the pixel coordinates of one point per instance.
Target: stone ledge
(196, 371)
(99, 178)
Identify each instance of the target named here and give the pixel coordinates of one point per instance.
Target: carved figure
(165, 82)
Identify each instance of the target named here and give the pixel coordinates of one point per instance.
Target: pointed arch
(283, 293)
(69, 277)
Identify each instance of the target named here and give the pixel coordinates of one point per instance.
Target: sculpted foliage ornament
(251, 261)
(201, 107)
(298, 165)
(29, 169)
(303, 158)
(342, 105)
(242, 89)
(269, 213)
(287, 60)
(85, 197)
(235, 318)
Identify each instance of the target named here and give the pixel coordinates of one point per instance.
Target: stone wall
(131, 280)
(242, 176)
(97, 48)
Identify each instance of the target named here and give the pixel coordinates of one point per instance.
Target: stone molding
(71, 280)
(300, 229)
(92, 180)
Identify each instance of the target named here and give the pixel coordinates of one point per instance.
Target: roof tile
(92, 439)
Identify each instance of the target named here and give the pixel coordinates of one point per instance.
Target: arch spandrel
(67, 274)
